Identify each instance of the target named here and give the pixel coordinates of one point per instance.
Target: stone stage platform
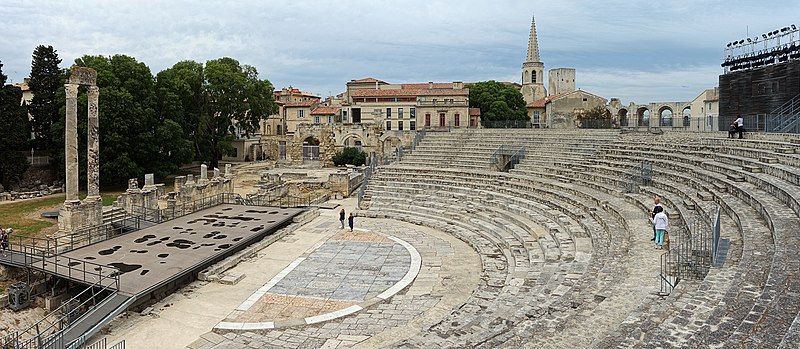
(155, 259)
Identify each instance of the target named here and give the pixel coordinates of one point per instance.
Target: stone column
(71, 142)
(93, 143)
(203, 172)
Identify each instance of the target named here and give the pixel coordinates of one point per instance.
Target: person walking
(739, 126)
(350, 221)
(656, 209)
(4, 239)
(341, 217)
(661, 222)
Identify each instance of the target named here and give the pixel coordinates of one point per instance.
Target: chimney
(430, 85)
(457, 85)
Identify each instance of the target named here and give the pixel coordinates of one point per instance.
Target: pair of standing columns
(71, 143)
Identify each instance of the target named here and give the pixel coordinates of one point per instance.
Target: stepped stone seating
(562, 241)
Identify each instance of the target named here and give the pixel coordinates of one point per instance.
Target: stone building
(562, 110)
(560, 80)
(705, 110)
(533, 70)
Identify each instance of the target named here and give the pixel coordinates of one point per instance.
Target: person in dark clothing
(350, 221)
(341, 217)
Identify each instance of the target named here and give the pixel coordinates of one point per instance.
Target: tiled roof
(368, 80)
(408, 92)
(444, 85)
(474, 111)
(325, 111)
(541, 103)
(307, 103)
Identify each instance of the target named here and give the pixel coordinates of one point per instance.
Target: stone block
(768, 160)
(705, 196)
(785, 150)
(231, 278)
(148, 179)
(689, 204)
(735, 177)
(752, 169)
(720, 187)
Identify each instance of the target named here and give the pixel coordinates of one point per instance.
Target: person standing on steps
(739, 125)
(656, 209)
(661, 222)
(350, 221)
(341, 217)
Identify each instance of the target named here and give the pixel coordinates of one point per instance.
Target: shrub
(350, 156)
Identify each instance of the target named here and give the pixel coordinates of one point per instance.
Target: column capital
(71, 90)
(93, 90)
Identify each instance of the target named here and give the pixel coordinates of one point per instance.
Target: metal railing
(638, 175)
(689, 255)
(785, 118)
(48, 332)
(507, 123)
(417, 139)
(87, 236)
(368, 172)
(506, 156)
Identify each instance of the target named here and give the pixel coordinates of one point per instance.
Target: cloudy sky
(641, 51)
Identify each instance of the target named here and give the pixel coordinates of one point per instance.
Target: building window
(358, 145)
(536, 117)
(427, 120)
(412, 125)
(269, 129)
(457, 120)
(441, 119)
(301, 113)
(388, 113)
(399, 113)
(388, 125)
(330, 119)
(533, 77)
(344, 116)
(412, 113)
(316, 119)
(400, 125)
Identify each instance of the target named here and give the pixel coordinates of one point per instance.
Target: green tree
(233, 98)
(46, 79)
(14, 132)
(497, 101)
(134, 138)
(349, 156)
(179, 93)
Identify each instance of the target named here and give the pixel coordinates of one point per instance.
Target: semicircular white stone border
(411, 274)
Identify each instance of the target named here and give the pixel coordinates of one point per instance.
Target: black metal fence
(689, 255)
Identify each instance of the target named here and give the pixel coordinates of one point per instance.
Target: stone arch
(352, 141)
(391, 143)
(622, 115)
(687, 115)
(643, 116)
(665, 116)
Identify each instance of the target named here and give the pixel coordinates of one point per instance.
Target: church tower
(533, 70)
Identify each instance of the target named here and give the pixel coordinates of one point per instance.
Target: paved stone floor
(448, 273)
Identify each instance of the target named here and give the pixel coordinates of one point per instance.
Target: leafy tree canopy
(351, 156)
(497, 101)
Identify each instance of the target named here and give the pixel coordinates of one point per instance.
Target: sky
(637, 51)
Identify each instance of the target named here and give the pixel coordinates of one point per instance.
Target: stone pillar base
(76, 214)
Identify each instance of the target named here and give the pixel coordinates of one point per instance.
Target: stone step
(720, 187)
(689, 204)
(768, 160)
(752, 169)
(705, 196)
(785, 150)
(795, 141)
(735, 177)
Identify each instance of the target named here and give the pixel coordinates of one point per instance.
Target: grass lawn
(17, 214)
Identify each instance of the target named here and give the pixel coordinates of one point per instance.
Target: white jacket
(661, 221)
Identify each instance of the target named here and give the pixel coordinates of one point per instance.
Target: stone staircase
(566, 251)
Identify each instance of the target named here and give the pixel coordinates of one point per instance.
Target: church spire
(533, 43)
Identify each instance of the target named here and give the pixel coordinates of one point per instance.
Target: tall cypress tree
(14, 130)
(46, 79)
